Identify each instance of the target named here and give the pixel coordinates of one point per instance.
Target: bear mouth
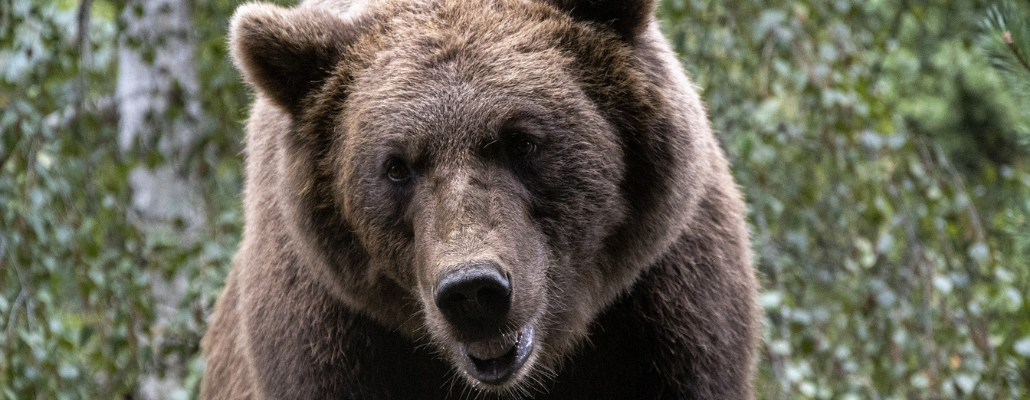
(494, 361)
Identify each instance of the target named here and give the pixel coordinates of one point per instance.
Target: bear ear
(285, 53)
(627, 17)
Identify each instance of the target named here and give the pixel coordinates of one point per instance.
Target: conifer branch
(1007, 37)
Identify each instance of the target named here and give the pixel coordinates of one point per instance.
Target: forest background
(883, 146)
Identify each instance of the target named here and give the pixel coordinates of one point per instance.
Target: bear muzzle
(475, 300)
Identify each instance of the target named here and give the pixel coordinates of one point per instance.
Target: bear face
(484, 176)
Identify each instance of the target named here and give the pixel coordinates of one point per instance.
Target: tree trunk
(159, 105)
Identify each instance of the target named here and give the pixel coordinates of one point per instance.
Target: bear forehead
(510, 23)
(466, 70)
(497, 44)
(466, 106)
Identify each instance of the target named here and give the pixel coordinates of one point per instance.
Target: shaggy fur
(620, 227)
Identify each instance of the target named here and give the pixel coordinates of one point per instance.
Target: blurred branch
(5, 15)
(22, 299)
(9, 154)
(21, 294)
(949, 174)
(30, 179)
(81, 38)
(11, 317)
(83, 20)
(82, 33)
(960, 186)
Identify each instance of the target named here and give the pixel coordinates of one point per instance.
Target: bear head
(482, 176)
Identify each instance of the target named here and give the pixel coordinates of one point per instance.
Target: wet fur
(634, 258)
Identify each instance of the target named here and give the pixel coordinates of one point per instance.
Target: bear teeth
(492, 348)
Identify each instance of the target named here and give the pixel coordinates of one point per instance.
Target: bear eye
(524, 148)
(397, 171)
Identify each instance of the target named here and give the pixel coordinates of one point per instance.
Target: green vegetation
(884, 148)
(886, 169)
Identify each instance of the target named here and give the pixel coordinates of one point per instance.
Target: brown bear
(479, 199)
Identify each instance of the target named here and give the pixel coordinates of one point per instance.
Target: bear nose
(474, 298)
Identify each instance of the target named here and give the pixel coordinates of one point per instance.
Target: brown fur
(623, 234)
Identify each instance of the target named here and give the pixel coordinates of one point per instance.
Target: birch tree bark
(158, 97)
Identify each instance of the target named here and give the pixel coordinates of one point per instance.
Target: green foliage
(883, 148)
(76, 301)
(880, 156)
(73, 297)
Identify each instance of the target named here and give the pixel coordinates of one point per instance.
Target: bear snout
(475, 299)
